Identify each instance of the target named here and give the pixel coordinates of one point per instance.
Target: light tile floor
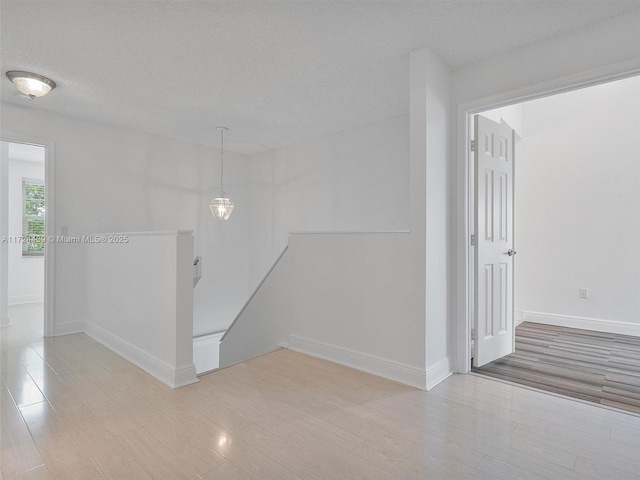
(72, 409)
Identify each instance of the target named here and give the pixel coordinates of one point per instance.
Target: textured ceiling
(275, 72)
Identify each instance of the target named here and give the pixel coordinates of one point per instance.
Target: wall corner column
(430, 105)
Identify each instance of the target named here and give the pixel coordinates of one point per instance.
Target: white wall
(578, 204)
(115, 179)
(325, 288)
(139, 299)
(600, 49)
(511, 114)
(437, 79)
(346, 297)
(430, 123)
(26, 274)
(357, 180)
(377, 301)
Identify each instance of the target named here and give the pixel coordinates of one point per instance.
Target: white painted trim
(595, 324)
(464, 204)
(4, 230)
(399, 372)
(174, 377)
(68, 328)
(160, 233)
(183, 376)
(50, 230)
(347, 232)
(464, 260)
(438, 372)
(20, 299)
(5, 321)
(206, 352)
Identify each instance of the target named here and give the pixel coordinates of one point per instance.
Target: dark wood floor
(599, 367)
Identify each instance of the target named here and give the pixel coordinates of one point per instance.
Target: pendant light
(222, 206)
(31, 85)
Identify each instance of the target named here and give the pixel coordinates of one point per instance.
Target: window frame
(27, 217)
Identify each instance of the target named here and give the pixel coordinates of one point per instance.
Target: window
(32, 217)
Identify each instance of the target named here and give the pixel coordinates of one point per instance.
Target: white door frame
(464, 185)
(50, 224)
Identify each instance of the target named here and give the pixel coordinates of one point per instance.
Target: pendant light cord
(221, 160)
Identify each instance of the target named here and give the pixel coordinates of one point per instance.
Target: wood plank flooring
(71, 409)
(598, 367)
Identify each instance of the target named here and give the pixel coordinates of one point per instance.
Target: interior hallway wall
(578, 204)
(352, 181)
(388, 312)
(111, 179)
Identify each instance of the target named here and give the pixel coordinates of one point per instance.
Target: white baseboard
(399, 372)
(438, 372)
(174, 377)
(5, 321)
(206, 352)
(595, 324)
(182, 376)
(517, 317)
(68, 328)
(19, 300)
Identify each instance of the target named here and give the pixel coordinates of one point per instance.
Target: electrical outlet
(583, 293)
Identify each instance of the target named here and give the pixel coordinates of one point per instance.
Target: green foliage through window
(33, 217)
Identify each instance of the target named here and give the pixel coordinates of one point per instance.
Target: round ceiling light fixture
(31, 84)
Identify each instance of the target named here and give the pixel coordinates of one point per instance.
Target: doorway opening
(26, 237)
(576, 206)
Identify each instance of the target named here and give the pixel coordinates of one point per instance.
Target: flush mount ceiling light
(221, 207)
(31, 84)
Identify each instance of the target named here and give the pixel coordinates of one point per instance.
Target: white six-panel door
(494, 239)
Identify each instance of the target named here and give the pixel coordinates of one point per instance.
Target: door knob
(511, 252)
